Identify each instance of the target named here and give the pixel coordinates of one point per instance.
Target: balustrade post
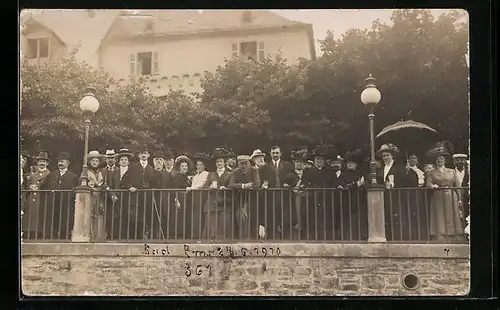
(83, 215)
(376, 216)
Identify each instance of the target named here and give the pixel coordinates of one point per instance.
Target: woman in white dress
(199, 181)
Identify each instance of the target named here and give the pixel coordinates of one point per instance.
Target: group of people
(137, 200)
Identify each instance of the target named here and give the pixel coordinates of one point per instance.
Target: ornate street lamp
(89, 105)
(370, 97)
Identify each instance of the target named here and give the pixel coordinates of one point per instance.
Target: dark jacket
(107, 175)
(402, 177)
(238, 178)
(272, 175)
(318, 178)
(142, 177)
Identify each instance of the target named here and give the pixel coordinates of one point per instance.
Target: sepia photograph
(244, 152)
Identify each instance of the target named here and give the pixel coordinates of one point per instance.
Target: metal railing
(207, 215)
(426, 214)
(210, 215)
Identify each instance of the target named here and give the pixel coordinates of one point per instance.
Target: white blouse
(199, 180)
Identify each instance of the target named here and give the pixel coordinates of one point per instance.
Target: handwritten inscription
(160, 251)
(228, 251)
(197, 270)
(191, 251)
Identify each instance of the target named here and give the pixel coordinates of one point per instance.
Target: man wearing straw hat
(258, 158)
(107, 172)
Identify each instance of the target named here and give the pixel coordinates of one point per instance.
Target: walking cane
(158, 217)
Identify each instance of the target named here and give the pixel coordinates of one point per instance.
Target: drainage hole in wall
(411, 281)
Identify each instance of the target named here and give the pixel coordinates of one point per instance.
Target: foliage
(418, 61)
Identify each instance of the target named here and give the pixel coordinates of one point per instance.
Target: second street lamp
(89, 105)
(371, 97)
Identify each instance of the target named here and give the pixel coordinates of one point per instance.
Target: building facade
(173, 50)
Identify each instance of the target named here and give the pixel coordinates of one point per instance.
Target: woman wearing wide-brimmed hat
(180, 200)
(198, 182)
(446, 205)
(95, 181)
(218, 222)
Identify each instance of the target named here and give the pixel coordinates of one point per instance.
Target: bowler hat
(318, 151)
(63, 156)
(389, 147)
(460, 156)
(42, 156)
(142, 148)
(158, 154)
(169, 154)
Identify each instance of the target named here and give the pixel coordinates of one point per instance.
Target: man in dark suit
(143, 178)
(161, 198)
(395, 177)
(243, 179)
(293, 181)
(107, 174)
(119, 227)
(60, 203)
(272, 177)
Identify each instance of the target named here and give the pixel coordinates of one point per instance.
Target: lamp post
(83, 208)
(89, 105)
(370, 97)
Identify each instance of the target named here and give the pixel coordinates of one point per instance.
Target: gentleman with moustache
(35, 219)
(161, 199)
(119, 227)
(143, 178)
(258, 158)
(61, 200)
(169, 161)
(107, 172)
(243, 179)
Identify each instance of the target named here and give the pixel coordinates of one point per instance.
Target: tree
(50, 98)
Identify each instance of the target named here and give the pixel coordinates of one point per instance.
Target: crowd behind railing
(239, 202)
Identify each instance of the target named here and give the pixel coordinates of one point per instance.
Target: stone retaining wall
(244, 269)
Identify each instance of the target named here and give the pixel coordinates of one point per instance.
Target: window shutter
(132, 64)
(155, 64)
(235, 50)
(261, 52)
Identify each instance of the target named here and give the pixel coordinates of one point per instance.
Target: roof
(178, 22)
(75, 28)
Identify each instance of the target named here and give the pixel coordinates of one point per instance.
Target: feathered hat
(443, 148)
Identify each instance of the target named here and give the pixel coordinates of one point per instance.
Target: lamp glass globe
(89, 103)
(370, 95)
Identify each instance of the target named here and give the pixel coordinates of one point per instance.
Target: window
(144, 63)
(38, 48)
(248, 50)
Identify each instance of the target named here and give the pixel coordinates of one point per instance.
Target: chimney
(246, 17)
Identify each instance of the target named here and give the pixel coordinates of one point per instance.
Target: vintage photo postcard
(244, 152)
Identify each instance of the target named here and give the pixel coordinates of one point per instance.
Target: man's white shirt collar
(144, 163)
(63, 171)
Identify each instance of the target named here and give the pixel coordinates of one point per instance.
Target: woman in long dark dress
(218, 215)
(178, 224)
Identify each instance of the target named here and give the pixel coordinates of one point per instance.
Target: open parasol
(408, 134)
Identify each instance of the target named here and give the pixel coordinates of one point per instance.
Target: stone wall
(244, 269)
